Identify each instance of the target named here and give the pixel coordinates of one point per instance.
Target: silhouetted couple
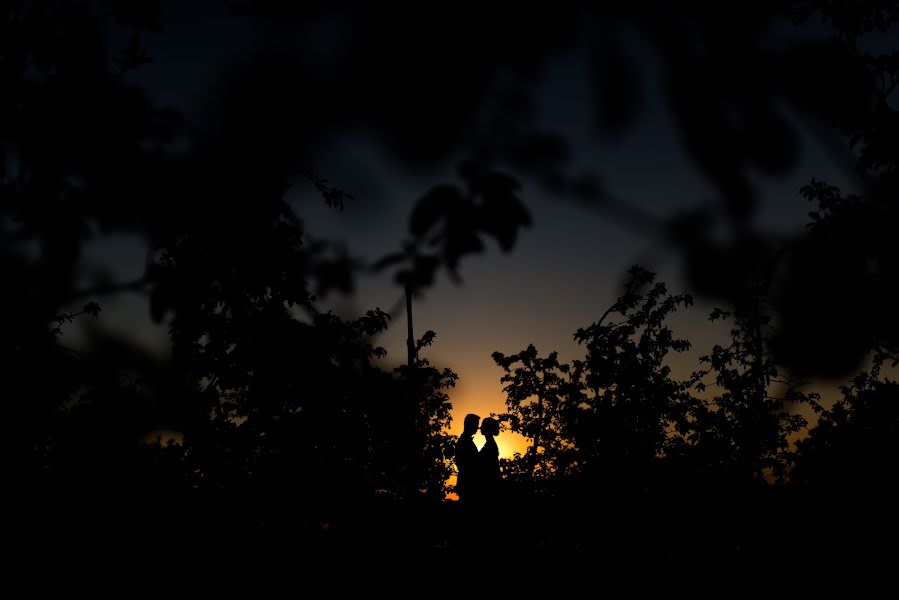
(477, 480)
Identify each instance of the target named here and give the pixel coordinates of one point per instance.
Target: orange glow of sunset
(483, 397)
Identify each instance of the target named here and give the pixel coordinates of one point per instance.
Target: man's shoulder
(463, 443)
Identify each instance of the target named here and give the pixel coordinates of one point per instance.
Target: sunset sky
(564, 270)
(228, 226)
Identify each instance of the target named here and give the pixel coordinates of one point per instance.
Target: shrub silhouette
(293, 449)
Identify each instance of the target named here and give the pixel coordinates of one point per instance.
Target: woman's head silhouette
(490, 426)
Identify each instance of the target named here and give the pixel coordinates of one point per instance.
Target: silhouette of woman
(488, 463)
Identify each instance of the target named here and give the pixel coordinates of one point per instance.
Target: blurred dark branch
(334, 197)
(131, 57)
(67, 349)
(91, 308)
(106, 289)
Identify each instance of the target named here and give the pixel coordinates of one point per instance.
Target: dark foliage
(272, 447)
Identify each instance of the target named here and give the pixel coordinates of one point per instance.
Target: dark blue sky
(564, 270)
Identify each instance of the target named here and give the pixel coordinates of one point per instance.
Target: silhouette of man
(466, 460)
(467, 484)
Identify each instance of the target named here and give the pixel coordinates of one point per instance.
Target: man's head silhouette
(471, 423)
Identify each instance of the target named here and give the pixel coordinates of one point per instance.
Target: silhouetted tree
(634, 410)
(289, 441)
(844, 263)
(744, 430)
(539, 392)
(846, 473)
(601, 427)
